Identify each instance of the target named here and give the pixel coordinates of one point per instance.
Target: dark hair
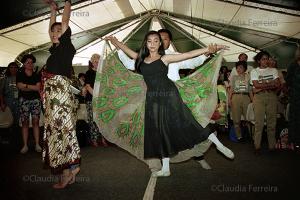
(81, 74)
(90, 65)
(260, 55)
(241, 63)
(55, 24)
(28, 56)
(243, 54)
(144, 51)
(223, 67)
(7, 71)
(163, 30)
(274, 59)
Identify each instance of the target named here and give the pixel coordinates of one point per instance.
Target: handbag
(82, 112)
(6, 118)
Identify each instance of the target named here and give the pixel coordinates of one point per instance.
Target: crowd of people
(266, 90)
(29, 94)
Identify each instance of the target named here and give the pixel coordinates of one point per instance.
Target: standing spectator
(265, 83)
(9, 91)
(273, 64)
(282, 90)
(90, 80)
(240, 96)
(293, 81)
(81, 78)
(242, 57)
(223, 75)
(28, 83)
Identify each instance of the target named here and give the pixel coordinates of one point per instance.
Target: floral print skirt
(61, 149)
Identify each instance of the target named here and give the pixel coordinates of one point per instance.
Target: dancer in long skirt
(169, 124)
(61, 150)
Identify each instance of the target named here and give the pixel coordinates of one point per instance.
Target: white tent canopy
(281, 23)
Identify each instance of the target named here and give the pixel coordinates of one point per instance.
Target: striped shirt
(265, 74)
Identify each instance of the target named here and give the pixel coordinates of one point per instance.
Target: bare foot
(64, 182)
(74, 172)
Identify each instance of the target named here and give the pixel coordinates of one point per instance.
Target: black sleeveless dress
(170, 126)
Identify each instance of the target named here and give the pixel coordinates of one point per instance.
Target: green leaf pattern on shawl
(119, 103)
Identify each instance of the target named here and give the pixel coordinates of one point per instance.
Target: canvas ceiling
(243, 25)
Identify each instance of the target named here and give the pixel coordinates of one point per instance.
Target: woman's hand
(213, 48)
(53, 5)
(113, 40)
(119, 45)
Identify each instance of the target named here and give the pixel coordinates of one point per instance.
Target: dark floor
(110, 173)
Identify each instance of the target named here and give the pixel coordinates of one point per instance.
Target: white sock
(166, 164)
(212, 137)
(227, 152)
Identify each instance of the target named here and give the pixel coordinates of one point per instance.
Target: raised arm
(123, 47)
(53, 8)
(170, 58)
(66, 16)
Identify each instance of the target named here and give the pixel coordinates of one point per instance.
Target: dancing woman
(169, 124)
(61, 151)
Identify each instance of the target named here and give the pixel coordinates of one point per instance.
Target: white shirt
(173, 68)
(259, 74)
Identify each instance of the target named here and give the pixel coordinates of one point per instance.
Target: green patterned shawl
(119, 100)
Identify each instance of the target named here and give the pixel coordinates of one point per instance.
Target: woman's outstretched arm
(123, 47)
(212, 48)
